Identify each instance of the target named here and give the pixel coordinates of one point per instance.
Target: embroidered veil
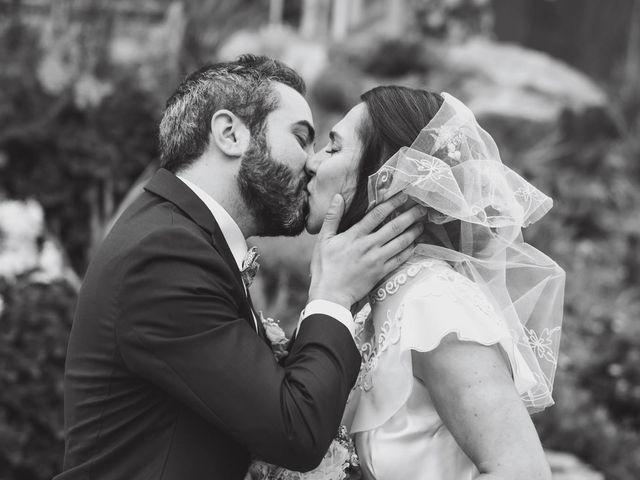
(477, 208)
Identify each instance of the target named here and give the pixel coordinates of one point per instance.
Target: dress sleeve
(452, 304)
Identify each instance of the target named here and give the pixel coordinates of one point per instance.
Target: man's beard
(277, 200)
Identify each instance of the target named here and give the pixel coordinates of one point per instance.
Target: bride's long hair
(395, 116)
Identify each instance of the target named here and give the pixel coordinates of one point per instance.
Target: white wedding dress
(397, 431)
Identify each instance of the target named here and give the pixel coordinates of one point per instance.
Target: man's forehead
(292, 106)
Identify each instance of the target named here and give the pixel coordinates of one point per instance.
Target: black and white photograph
(319, 239)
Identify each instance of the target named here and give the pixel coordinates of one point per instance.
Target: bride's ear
(229, 133)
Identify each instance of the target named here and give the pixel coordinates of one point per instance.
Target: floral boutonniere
(276, 336)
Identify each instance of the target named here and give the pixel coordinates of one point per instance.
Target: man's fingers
(376, 216)
(395, 262)
(401, 242)
(333, 217)
(398, 225)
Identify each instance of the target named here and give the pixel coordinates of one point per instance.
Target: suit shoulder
(151, 219)
(174, 242)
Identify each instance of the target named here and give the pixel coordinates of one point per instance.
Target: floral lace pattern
(372, 350)
(373, 344)
(392, 285)
(541, 343)
(528, 193)
(432, 168)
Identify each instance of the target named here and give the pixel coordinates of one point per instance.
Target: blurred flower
(615, 370)
(90, 91)
(21, 225)
(22, 248)
(24, 220)
(60, 64)
(51, 265)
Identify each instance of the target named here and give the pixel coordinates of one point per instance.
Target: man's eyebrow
(335, 136)
(311, 133)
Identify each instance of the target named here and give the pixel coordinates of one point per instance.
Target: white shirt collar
(230, 230)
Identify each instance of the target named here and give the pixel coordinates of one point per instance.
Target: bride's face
(334, 169)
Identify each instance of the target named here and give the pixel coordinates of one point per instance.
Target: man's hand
(345, 267)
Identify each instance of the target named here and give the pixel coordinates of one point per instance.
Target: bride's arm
(474, 395)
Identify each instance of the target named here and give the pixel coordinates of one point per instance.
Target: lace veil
(477, 208)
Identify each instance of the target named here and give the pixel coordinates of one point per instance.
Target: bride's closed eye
(332, 150)
(332, 146)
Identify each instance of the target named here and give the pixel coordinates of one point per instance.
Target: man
(169, 374)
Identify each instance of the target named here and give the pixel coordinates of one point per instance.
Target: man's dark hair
(244, 87)
(395, 116)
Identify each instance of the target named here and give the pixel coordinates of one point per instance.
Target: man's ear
(229, 133)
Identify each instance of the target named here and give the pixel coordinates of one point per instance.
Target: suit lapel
(218, 239)
(222, 246)
(261, 330)
(166, 185)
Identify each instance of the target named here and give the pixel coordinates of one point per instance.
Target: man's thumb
(333, 217)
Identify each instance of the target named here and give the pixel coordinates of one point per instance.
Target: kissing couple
(170, 373)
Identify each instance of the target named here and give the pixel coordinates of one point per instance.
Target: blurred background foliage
(556, 82)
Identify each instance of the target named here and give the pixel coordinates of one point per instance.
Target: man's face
(272, 177)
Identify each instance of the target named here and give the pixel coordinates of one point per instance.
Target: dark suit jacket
(166, 377)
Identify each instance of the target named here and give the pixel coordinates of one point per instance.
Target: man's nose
(311, 166)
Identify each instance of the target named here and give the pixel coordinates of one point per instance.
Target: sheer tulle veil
(477, 209)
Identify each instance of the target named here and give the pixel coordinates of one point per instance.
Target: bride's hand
(346, 266)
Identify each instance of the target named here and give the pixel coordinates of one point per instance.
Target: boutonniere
(276, 336)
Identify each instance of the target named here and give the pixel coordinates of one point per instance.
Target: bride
(459, 344)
